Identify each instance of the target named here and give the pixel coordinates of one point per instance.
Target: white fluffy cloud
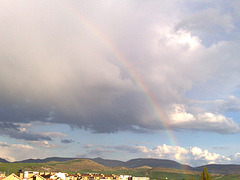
(207, 121)
(14, 152)
(236, 158)
(204, 156)
(193, 156)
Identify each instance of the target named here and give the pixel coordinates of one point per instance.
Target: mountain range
(140, 162)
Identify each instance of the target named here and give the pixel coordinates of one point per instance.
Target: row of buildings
(31, 175)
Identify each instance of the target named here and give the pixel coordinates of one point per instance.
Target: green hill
(88, 166)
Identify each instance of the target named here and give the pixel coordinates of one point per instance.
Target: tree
(205, 175)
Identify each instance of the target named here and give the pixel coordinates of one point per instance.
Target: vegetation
(205, 175)
(88, 166)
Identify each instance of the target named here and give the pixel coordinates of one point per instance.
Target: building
(32, 175)
(36, 177)
(26, 174)
(2, 174)
(12, 177)
(59, 175)
(129, 177)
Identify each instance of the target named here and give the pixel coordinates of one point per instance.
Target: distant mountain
(58, 159)
(164, 163)
(3, 161)
(134, 163)
(109, 163)
(140, 162)
(220, 168)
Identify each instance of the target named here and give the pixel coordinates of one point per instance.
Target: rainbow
(126, 64)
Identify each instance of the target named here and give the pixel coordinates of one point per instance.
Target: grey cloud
(67, 141)
(97, 152)
(88, 146)
(231, 104)
(220, 147)
(77, 64)
(115, 148)
(24, 135)
(212, 23)
(54, 134)
(130, 149)
(14, 131)
(4, 144)
(208, 20)
(226, 105)
(7, 125)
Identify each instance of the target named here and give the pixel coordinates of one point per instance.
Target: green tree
(205, 175)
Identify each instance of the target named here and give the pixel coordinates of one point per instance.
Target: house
(59, 175)
(129, 177)
(140, 178)
(12, 177)
(26, 174)
(111, 177)
(2, 174)
(36, 177)
(31, 175)
(125, 177)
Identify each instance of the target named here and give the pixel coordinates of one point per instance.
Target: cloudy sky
(120, 79)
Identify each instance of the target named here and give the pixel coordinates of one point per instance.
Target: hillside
(221, 168)
(72, 166)
(58, 159)
(87, 166)
(76, 165)
(99, 164)
(109, 163)
(3, 161)
(163, 163)
(134, 163)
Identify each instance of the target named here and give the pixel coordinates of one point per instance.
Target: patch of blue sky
(210, 141)
(6, 139)
(196, 6)
(205, 93)
(234, 115)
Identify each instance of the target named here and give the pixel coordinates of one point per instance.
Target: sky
(120, 79)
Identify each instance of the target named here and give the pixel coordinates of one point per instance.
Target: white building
(28, 174)
(58, 175)
(129, 177)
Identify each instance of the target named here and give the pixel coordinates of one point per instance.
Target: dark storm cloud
(65, 64)
(8, 126)
(22, 111)
(12, 130)
(121, 115)
(25, 135)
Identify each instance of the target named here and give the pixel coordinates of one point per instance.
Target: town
(31, 175)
